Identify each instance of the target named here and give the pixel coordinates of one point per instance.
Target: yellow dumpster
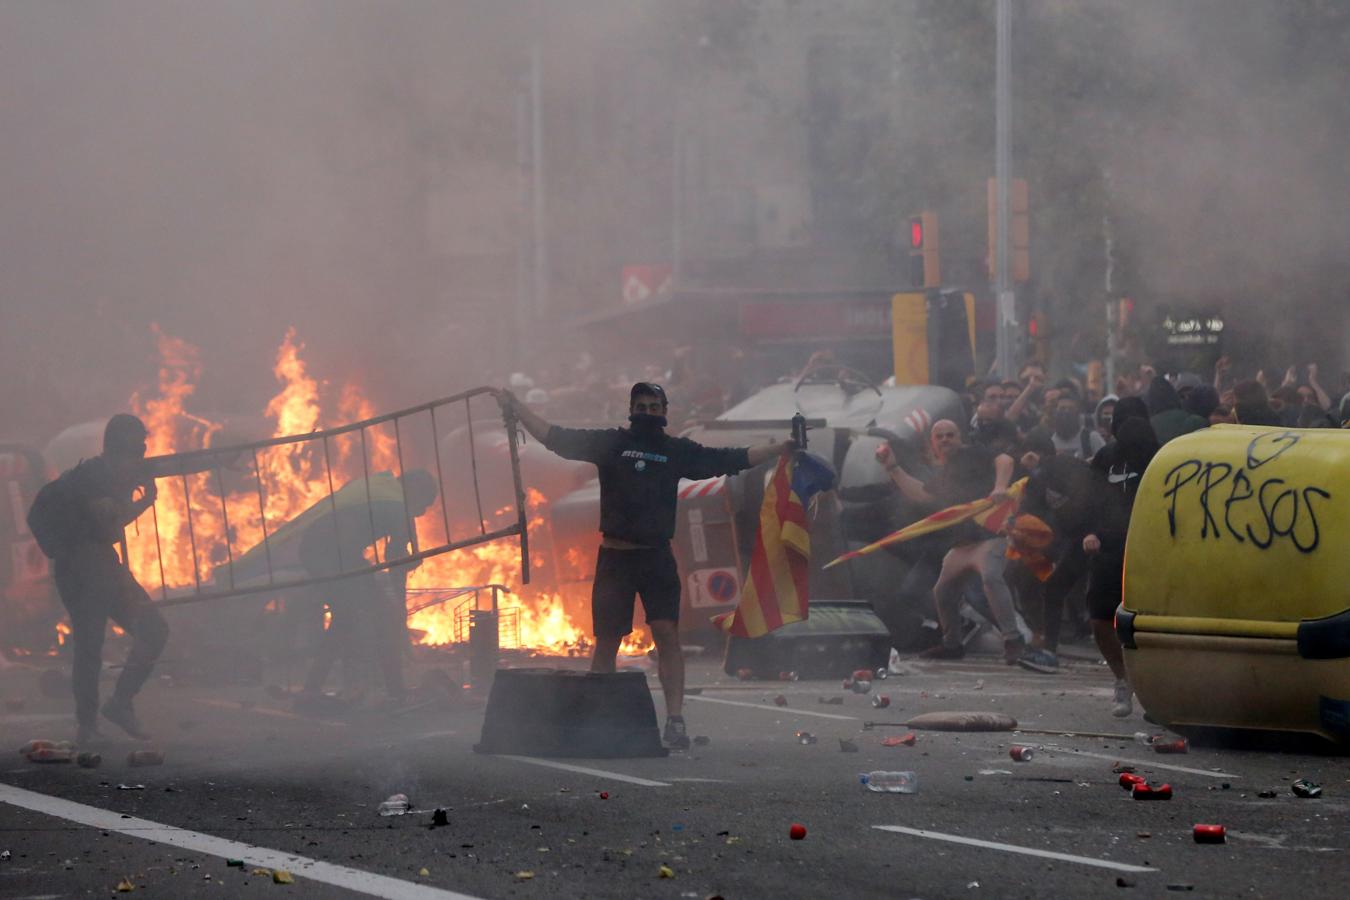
(1236, 607)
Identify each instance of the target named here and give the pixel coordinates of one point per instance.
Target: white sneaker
(1121, 705)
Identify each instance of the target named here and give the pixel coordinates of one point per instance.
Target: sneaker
(676, 737)
(1037, 660)
(1013, 650)
(124, 716)
(1121, 705)
(943, 651)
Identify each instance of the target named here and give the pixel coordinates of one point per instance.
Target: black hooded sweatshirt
(1119, 467)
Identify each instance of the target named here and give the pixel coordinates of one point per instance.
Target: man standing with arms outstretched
(640, 471)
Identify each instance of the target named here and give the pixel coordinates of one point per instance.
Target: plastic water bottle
(891, 782)
(396, 805)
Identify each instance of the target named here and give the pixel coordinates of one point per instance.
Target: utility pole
(1006, 309)
(540, 297)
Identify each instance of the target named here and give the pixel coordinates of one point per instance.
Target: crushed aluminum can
(35, 745)
(1305, 789)
(1144, 792)
(1021, 754)
(1209, 834)
(881, 701)
(1181, 745)
(883, 673)
(780, 700)
(862, 687)
(145, 758)
(1128, 780)
(805, 737)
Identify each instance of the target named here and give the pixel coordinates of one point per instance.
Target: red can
(1144, 792)
(1021, 754)
(1128, 780)
(1177, 746)
(848, 683)
(145, 758)
(780, 700)
(797, 831)
(862, 675)
(51, 755)
(881, 701)
(1209, 834)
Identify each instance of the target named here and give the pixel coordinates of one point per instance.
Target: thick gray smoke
(352, 169)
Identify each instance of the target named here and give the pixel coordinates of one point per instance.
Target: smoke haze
(353, 169)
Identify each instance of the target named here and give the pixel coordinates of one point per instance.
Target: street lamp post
(1006, 310)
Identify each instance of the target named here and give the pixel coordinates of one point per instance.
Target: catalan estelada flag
(775, 591)
(993, 516)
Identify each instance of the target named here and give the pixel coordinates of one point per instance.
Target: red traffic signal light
(916, 232)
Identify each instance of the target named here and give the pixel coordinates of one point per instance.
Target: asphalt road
(301, 794)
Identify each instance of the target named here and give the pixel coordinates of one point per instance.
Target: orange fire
(296, 476)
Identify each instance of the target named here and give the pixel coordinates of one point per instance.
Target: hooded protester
(1119, 468)
(1167, 417)
(1252, 405)
(1102, 415)
(98, 499)
(1201, 401)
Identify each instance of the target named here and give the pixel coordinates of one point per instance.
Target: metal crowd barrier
(217, 461)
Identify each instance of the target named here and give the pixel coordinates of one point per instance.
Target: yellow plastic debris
(263, 872)
(125, 885)
(524, 875)
(281, 876)
(425, 872)
(666, 872)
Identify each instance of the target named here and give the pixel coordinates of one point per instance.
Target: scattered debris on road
(1306, 790)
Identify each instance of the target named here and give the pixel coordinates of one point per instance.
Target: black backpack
(53, 519)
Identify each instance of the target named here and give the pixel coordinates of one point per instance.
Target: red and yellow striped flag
(993, 516)
(775, 592)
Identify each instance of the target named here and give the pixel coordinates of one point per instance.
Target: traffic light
(925, 267)
(1019, 263)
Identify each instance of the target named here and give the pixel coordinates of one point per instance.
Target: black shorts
(1105, 585)
(619, 575)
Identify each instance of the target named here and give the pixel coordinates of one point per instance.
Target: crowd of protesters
(1083, 453)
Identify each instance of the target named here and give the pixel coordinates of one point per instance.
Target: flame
(62, 632)
(199, 530)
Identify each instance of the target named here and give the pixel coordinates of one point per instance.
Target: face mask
(646, 424)
(1066, 423)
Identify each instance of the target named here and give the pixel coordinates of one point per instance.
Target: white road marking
(705, 780)
(315, 870)
(775, 709)
(583, 770)
(36, 717)
(1145, 763)
(1013, 848)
